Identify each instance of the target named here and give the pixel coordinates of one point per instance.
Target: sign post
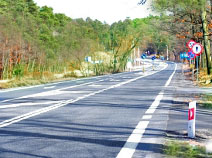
(87, 60)
(197, 50)
(197, 68)
(191, 119)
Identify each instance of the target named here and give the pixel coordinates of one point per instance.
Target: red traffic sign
(197, 49)
(190, 44)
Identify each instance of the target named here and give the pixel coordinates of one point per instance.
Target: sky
(108, 11)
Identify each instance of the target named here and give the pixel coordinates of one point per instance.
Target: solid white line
(130, 146)
(27, 104)
(57, 91)
(63, 103)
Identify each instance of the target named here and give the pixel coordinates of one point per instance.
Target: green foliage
(18, 71)
(207, 101)
(45, 41)
(184, 150)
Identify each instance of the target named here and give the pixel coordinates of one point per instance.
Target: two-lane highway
(107, 116)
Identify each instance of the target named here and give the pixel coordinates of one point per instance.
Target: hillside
(36, 43)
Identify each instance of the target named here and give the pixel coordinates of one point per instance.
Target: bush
(18, 71)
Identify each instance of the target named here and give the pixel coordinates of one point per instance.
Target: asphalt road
(120, 115)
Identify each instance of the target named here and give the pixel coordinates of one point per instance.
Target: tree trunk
(206, 40)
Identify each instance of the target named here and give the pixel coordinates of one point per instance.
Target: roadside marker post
(191, 119)
(87, 60)
(143, 56)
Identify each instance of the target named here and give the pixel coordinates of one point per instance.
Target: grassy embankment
(184, 150)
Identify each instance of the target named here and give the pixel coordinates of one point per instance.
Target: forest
(36, 44)
(189, 20)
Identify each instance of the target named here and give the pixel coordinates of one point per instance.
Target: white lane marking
(94, 85)
(51, 92)
(150, 111)
(170, 78)
(114, 80)
(49, 87)
(130, 146)
(155, 104)
(132, 142)
(146, 117)
(140, 73)
(78, 92)
(45, 94)
(55, 83)
(48, 84)
(63, 103)
(20, 88)
(31, 114)
(27, 104)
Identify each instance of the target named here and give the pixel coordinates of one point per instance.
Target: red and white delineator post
(191, 119)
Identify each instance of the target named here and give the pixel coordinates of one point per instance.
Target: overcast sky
(104, 10)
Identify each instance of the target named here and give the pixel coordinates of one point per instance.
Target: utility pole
(167, 53)
(134, 54)
(138, 56)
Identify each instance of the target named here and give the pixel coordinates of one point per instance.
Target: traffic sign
(88, 59)
(191, 55)
(184, 55)
(190, 44)
(197, 49)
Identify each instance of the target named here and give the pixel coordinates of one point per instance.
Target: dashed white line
(146, 117)
(94, 85)
(170, 78)
(130, 146)
(132, 142)
(49, 87)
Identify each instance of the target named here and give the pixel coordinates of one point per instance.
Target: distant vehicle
(153, 57)
(143, 56)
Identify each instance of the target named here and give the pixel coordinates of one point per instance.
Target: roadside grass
(207, 101)
(32, 75)
(31, 81)
(184, 150)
